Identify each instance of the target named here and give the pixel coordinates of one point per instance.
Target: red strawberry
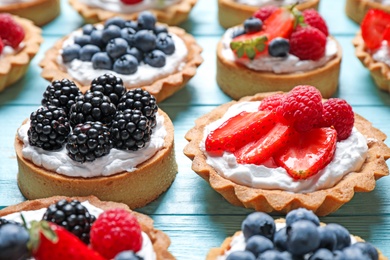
(11, 32)
(239, 130)
(308, 153)
(1, 46)
(49, 241)
(264, 12)
(386, 34)
(314, 19)
(131, 2)
(308, 43)
(373, 26)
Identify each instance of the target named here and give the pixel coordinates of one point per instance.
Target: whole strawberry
(11, 32)
(314, 19)
(264, 12)
(114, 231)
(308, 43)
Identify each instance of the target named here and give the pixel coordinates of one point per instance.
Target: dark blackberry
(88, 141)
(130, 130)
(109, 85)
(141, 100)
(73, 216)
(49, 128)
(93, 106)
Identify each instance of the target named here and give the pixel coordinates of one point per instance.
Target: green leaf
(250, 52)
(240, 51)
(235, 45)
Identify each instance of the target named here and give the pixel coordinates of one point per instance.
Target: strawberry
(314, 19)
(308, 43)
(386, 34)
(131, 2)
(308, 153)
(1, 46)
(49, 241)
(11, 32)
(239, 130)
(373, 27)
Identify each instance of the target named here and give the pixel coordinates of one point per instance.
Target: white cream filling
(269, 2)
(382, 54)
(349, 156)
(147, 251)
(118, 7)
(383, 2)
(12, 2)
(115, 162)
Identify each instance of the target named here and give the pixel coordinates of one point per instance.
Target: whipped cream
(382, 54)
(115, 162)
(147, 251)
(270, 2)
(383, 2)
(119, 7)
(349, 156)
(279, 65)
(12, 2)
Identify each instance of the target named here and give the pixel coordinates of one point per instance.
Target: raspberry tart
(54, 218)
(255, 152)
(277, 51)
(300, 234)
(19, 42)
(357, 9)
(107, 142)
(372, 47)
(158, 58)
(235, 12)
(172, 12)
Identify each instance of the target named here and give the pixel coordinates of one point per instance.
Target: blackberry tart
(119, 151)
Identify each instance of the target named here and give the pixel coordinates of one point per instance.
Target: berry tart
(74, 228)
(276, 51)
(172, 12)
(40, 12)
(372, 46)
(19, 42)
(158, 58)
(235, 12)
(107, 142)
(255, 152)
(299, 236)
(357, 9)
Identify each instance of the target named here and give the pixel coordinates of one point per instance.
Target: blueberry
(155, 59)
(118, 21)
(258, 244)
(367, 249)
(70, 52)
(88, 29)
(82, 40)
(101, 60)
(127, 64)
(132, 24)
(111, 32)
(13, 242)
(322, 254)
(136, 53)
(238, 31)
(160, 29)
(275, 255)
(127, 255)
(328, 238)
(342, 235)
(116, 47)
(280, 239)
(97, 38)
(279, 47)
(145, 41)
(128, 34)
(354, 253)
(258, 223)
(299, 214)
(338, 255)
(241, 255)
(302, 237)
(165, 43)
(146, 20)
(252, 25)
(88, 51)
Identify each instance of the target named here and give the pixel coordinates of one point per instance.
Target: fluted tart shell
(357, 9)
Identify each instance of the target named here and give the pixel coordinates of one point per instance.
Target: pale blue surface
(190, 212)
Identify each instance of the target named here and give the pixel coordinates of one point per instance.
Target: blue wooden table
(194, 216)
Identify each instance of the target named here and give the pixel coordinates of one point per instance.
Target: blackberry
(61, 94)
(89, 141)
(49, 128)
(73, 216)
(93, 106)
(109, 85)
(130, 130)
(141, 100)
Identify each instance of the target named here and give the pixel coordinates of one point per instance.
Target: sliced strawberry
(259, 152)
(373, 27)
(310, 152)
(239, 130)
(386, 34)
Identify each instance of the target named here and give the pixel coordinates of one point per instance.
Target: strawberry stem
(249, 47)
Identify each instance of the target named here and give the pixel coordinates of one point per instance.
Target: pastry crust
(322, 202)
(14, 66)
(231, 13)
(357, 9)
(40, 12)
(380, 71)
(238, 81)
(160, 89)
(158, 238)
(136, 189)
(172, 15)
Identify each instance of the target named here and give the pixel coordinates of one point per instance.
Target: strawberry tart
(275, 152)
(108, 142)
(74, 227)
(19, 42)
(372, 46)
(299, 235)
(158, 58)
(357, 9)
(235, 12)
(277, 51)
(172, 12)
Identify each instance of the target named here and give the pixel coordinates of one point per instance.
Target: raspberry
(11, 32)
(114, 231)
(308, 43)
(338, 114)
(302, 107)
(264, 12)
(131, 2)
(271, 102)
(314, 19)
